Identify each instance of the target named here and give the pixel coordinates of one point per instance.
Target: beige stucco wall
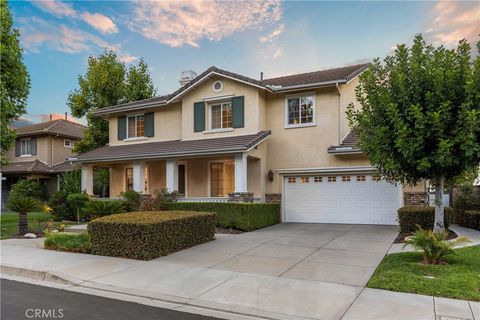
(167, 125)
(59, 152)
(42, 151)
(230, 87)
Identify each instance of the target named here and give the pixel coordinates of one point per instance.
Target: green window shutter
(238, 112)
(122, 127)
(199, 116)
(148, 119)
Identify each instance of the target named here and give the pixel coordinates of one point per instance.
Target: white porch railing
(203, 199)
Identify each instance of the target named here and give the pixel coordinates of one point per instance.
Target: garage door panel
(342, 201)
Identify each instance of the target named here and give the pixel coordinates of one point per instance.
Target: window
(221, 115)
(317, 179)
(25, 147)
(300, 110)
(346, 178)
(361, 178)
(305, 179)
(136, 126)
(332, 179)
(129, 178)
(291, 180)
(217, 86)
(67, 143)
(376, 178)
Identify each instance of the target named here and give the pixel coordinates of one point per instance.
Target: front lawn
(37, 222)
(405, 272)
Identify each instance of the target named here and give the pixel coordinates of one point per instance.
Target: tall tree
(420, 115)
(14, 79)
(107, 82)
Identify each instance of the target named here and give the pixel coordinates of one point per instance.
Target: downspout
(338, 125)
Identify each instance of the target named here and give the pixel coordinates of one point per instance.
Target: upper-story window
(26, 147)
(221, 115)
(67, 143)
(300, 110)
(136, 126)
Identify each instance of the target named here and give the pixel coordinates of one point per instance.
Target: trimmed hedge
(241, 216)
(471, 219)
(411, 216)
(149, 235)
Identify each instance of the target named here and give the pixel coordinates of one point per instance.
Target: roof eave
(345, 151)
(274, 88)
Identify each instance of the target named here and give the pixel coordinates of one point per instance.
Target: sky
(249, 37)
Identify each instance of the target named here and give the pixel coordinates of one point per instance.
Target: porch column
(87, 178)
(241, 172)
(172, 175)
(138, 176)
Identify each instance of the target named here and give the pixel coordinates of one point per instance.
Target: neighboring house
(226, 137)
(41, 151)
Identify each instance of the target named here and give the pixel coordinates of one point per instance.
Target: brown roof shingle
(37, 166)
(171, 148)
(59, 127)
(348, 144)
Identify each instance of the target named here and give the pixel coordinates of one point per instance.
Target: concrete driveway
(341, 254)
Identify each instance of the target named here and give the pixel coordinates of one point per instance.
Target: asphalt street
(23, 301)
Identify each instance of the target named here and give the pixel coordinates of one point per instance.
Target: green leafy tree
(101, 181)
(30, 188)
(70, 181)
(14, 80)
(78, 201)
(420, 115)
(107, 82)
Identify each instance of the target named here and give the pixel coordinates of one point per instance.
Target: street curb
(34, 274)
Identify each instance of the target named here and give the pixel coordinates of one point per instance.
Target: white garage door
(363, 199)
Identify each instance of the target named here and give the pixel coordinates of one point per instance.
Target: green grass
(72, 242)
(37, 222)
(405, 272)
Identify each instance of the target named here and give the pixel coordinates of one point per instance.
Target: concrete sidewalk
(236, 295)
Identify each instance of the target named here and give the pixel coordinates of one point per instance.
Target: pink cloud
(455, 21)
(57, 8)
(100, 22)
(178, 23)
(56, 116)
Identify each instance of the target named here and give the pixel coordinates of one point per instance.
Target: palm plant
(100, 208)
(435, 245)
(23, 205)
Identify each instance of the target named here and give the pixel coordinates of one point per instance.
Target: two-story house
(226, 137)
(40, 152)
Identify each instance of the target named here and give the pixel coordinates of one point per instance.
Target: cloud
(37, 32)
(274, 34)
(62, 9)
(178, 23)
(127, 58)
(100, 22)
(454, 21)
(55, 116)
(278, 53)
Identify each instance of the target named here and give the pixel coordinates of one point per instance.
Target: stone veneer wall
(273, 197)
(415, 198)
(240, 197)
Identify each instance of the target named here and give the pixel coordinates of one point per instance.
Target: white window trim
(21, 148)
(135, 138)
(301, 125)
(221, 86)
(210, 129)
(70, 143)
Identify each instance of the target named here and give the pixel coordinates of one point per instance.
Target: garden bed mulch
(227, 231)
(402, 235)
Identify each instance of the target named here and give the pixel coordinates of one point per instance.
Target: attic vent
(187, 76)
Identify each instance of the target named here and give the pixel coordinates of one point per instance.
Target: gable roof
(165, 149)
(59, 127)
(278, 84)
(37, 166)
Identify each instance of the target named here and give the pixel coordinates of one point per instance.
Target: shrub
(72, 242)
(434, 245)
(132, 200)
(148, 235)
(412, 216)
(78, 201)
(160, 199)
(70, 181)
(29, 188)
(100, 208)
(241, 216)
(471, 219)
(61, 210)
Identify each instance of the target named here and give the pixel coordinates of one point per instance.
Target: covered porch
(229, 174)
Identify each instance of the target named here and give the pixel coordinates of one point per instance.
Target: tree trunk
(439, 209)
(22, 223)
(78, 215)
